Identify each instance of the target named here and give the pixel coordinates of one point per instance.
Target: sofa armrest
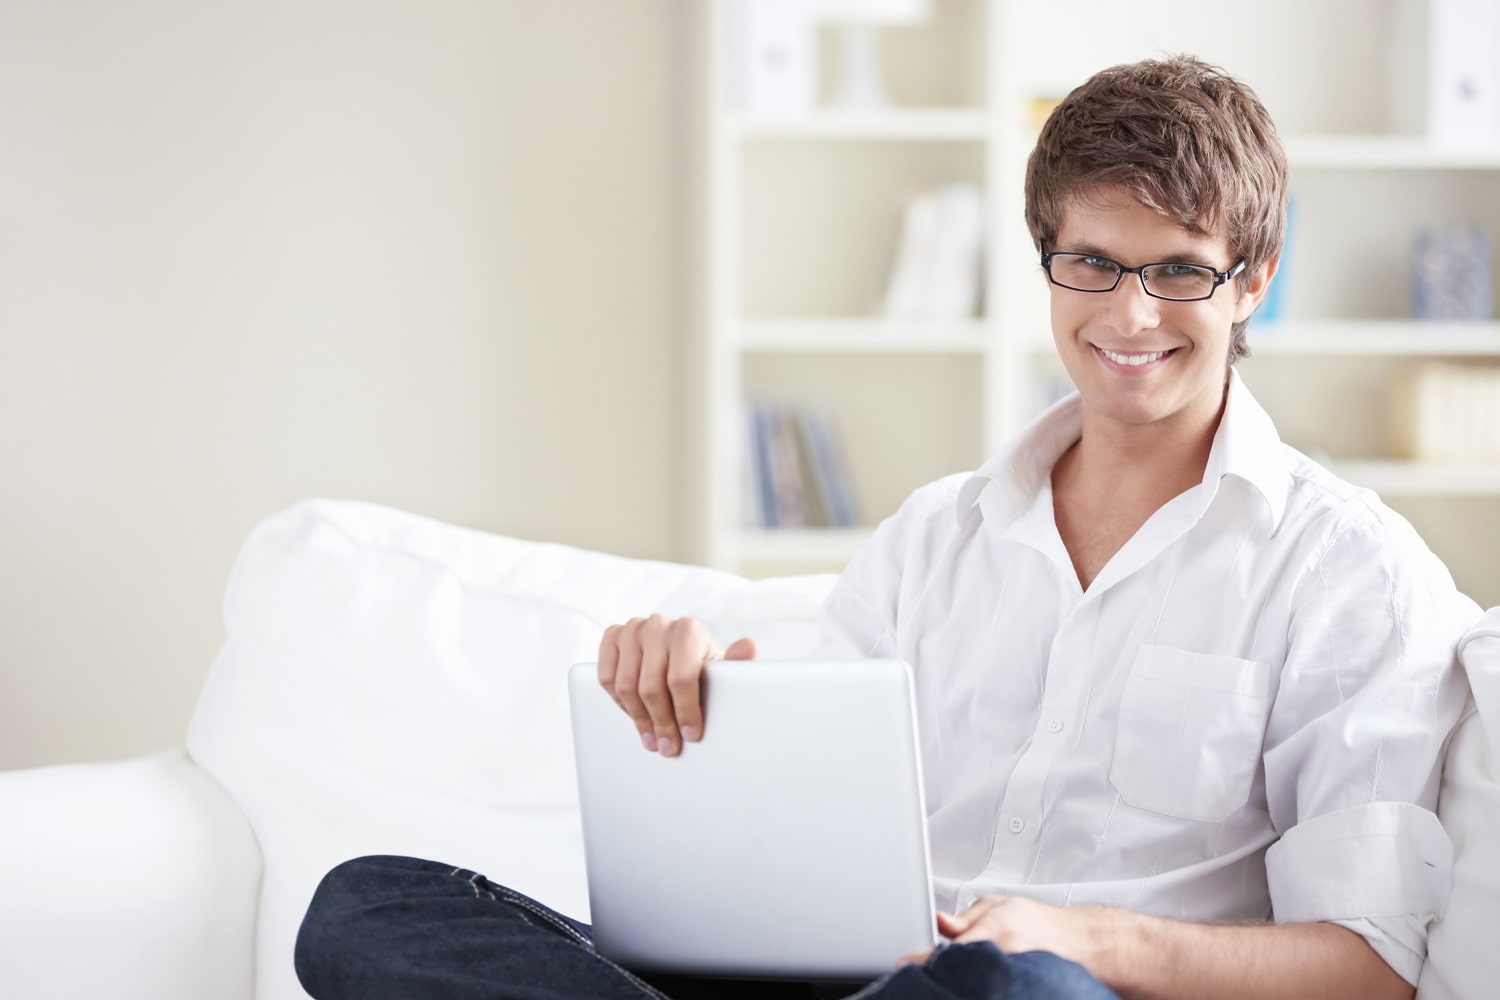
(1480, 652)
(131, 879)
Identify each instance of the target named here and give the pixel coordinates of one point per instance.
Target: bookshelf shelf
(860, 335)
(1420, 479)
(788, 547)
(1385, 152)
(1385, 338)
(916, 124)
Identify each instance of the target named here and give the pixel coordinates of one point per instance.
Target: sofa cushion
(390, 684)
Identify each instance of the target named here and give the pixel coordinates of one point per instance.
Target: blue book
(839, 498)
(761, 419)
(1273, 307)
(786, 472)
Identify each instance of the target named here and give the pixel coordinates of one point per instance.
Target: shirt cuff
(1388, 863)
(1400, 941)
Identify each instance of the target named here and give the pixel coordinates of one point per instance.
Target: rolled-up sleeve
(1369, 694)
(1381, 870)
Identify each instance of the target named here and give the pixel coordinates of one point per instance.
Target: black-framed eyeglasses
(1177, 282)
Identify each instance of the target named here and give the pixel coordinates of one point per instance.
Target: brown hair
(1179, 136)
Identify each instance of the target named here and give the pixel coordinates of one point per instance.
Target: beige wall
(419, 254)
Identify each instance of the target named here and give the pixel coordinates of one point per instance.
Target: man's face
(1139, 360)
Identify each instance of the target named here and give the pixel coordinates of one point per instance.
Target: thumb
(952, 925)
(740, 649)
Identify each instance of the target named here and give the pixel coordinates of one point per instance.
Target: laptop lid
(791, 841)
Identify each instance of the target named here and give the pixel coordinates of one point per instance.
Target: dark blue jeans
(388, 928)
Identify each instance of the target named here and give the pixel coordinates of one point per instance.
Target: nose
(1129, 310)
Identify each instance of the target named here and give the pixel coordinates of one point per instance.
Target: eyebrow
(1093, 250)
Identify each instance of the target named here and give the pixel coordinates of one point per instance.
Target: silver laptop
(790, 842)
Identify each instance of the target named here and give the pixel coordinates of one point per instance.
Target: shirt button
(1055, 726)
(1017, 824)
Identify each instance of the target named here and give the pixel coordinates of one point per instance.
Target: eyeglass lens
(1169, 281)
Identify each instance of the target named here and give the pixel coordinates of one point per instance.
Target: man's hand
(653, 668)
(1015, 924)
(1141, 956)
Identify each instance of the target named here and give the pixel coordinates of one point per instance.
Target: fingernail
(665, 744)
(648, 740)
(689, 734)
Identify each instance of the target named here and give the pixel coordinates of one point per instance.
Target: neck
(1145, 463)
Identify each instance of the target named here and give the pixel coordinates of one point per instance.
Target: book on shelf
(776, 52)
(794, 472)
(1444, 412)
(1272, 309)
(1445, 71)
(758, 498)
(788, 492)
(1450, 274)
(938, 270)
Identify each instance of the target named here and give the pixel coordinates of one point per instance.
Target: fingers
(986, 920)
(952, 925)
(740, 649)
(652, 686)
(959, 928)
(653, 668)
(620, 656)
(956, 927)
(689, 650)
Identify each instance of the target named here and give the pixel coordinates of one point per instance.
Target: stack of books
(795, 476)
(1444, 412)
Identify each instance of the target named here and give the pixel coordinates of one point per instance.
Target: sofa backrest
(1462, 960)
(393, 685)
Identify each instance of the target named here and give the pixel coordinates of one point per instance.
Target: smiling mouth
(1135, 360)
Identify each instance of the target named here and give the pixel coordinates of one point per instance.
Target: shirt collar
(1006, 485)
(1245, 446)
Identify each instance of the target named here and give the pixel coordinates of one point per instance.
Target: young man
(1184, 693)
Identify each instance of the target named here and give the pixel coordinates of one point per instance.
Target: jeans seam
(552, 921)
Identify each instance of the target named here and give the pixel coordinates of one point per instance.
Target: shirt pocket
(1190, 731)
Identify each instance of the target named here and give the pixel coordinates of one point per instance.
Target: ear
(1256, 289)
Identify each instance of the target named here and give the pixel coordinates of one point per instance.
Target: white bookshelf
(874, 376)
(1360, 192)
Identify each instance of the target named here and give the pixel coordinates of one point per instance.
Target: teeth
(1132, 359)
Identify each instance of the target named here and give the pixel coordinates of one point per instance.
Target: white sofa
(390, 684)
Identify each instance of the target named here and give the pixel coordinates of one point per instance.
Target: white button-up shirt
(1242, 717)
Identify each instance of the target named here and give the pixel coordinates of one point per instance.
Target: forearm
(1151, 958)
